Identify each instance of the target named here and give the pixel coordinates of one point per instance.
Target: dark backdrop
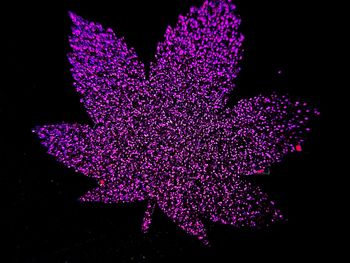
(46, 221)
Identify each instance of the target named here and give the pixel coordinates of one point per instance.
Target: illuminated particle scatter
(168, 138)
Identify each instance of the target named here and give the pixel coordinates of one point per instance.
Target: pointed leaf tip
(35, 130)
(75, 18)
(38, 130)
(72, 15)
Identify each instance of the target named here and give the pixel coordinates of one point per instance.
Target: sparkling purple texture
(169, 139)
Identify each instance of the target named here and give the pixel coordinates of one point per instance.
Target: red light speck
(298, 148)
(102, 182)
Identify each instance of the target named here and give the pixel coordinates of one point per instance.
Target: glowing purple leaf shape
(169, 139)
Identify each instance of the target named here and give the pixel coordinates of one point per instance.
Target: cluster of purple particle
(168, 139)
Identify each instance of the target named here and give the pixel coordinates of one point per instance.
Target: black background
(46, 221)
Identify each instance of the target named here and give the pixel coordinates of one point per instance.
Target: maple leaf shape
(169, 139)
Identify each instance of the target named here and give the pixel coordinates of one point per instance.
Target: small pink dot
(102, 182)
(298, 148)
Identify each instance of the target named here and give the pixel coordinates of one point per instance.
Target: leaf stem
(147, 219)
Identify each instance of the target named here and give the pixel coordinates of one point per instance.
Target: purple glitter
(169, 139)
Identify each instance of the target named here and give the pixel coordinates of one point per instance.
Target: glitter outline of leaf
(117, 111)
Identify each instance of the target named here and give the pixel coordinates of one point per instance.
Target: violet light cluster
(168, 138)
